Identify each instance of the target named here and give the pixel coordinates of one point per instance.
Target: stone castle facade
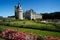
(30, 14)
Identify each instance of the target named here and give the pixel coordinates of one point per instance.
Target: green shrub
(40, 38)
(1, 30)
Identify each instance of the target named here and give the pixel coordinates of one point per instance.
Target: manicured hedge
(48, 27)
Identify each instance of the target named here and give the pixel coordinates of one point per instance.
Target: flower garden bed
(18, 35)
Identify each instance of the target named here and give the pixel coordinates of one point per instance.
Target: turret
(19, 6)
(19, 12)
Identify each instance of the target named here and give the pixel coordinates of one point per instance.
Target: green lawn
(30, 23)
(27, 22)
(38, 32)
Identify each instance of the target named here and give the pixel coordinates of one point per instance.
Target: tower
(19, 12)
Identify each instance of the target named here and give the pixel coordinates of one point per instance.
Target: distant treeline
(55, 15)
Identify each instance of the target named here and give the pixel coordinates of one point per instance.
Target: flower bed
(18, 35)
(51, 38)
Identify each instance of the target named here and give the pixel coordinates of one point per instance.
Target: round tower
(19, 12)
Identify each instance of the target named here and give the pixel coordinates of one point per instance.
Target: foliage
(32, 25)
(55, 15)
(17, 35)
(34, 31)
(2, 39)
(1, 30)
(51, 38)
(41, 38)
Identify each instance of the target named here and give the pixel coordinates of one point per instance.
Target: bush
(1, 30)
(41, 38)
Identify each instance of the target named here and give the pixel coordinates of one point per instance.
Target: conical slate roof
(19, 5)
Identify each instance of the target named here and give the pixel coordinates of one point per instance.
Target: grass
(27, 22)
(1, 39)
(38, 32)
(33, 24)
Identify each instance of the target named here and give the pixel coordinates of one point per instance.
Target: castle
(30, 14)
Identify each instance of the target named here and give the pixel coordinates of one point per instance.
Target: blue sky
(40, 6)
